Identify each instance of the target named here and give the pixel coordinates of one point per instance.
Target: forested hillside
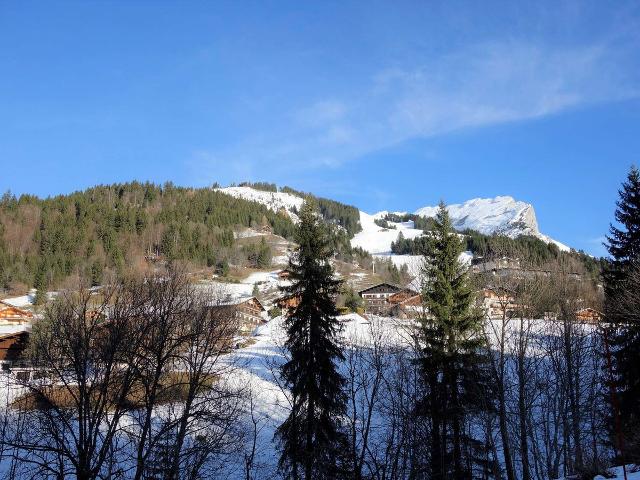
(43, 241)
(529, 249)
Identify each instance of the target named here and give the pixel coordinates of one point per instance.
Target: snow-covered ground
(617, 473)
(28, 301)
(255, 368)
(23, 301)
(633, 473)
(414, 262)
(258, 369)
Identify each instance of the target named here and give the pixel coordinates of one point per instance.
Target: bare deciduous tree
(128, 382)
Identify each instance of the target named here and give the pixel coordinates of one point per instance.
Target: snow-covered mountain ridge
(500, 215)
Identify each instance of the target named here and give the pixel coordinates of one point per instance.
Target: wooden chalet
(512, 267)
(376, 297)
(288, 303)
(405, 296)
(503, 267)
(14, 319)
(588, 315)
(498, 305)
(12, 347)
(404, 304)
(247, 311)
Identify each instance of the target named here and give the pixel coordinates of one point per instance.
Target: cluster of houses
(513, 268)
(386, 299)
(16, 324)
(498, 304)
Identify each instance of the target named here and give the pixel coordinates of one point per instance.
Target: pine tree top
(624, 243)
(446, 292)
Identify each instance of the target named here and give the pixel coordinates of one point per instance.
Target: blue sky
(384, 105)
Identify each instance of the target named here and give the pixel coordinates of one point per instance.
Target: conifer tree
(311, 438)
(452, 363)
(624, 244)
(622, 304)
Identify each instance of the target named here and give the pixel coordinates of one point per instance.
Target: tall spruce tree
(311, 438)
(622, 289)
(623, 243)
(452, 361)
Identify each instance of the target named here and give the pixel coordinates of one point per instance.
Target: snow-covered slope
(275, 201)
(502, 215)
(375, 239)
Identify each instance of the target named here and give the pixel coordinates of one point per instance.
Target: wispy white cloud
(321, 113)
(481, 85)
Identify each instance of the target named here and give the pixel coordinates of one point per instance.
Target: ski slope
(377, 240)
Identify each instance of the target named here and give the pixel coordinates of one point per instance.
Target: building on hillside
(588, 315)
(288, 303)
(375, 297)
(12, 350)
(247, 311)
(407, 303)
(497, 305)
(496, 266)
(14, 319)
(513, 268)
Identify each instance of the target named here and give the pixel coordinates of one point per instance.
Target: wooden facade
(588, 315)
(14, 319)
(249, 314)
(406, 297)
(388, 299)
(406, 303)
(247, 311)
(12, 347)
(288, 303)
(498, 305)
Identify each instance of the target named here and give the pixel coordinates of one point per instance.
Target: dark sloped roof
(390, 286)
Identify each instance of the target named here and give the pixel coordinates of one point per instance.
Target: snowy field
(254, 370)
(257, 370)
